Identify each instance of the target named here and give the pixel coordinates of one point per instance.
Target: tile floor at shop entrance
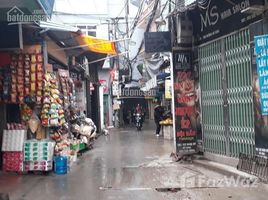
(128, 165)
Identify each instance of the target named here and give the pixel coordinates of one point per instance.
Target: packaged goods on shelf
(13, 140)
(13, 161)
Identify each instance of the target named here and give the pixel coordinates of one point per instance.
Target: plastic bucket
(60, 165)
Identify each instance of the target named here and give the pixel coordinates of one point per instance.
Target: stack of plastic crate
(38, 155)
(12, 147)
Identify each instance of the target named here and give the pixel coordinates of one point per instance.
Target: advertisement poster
(168, 89)
(260, 94)
(184, 100)
(261, 48)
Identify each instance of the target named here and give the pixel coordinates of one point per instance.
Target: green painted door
(227, 100)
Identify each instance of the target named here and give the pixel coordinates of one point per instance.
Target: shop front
(224, 54)
(44, 125)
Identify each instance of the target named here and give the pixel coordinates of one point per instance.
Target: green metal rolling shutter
(227, 101)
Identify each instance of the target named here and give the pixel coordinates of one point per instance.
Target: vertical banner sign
(184, 100)
(261, 48)
(260, 91)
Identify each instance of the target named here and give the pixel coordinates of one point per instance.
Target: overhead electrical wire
(136, 18)
(124, 7)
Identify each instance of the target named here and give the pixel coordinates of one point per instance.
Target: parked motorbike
(138, 121)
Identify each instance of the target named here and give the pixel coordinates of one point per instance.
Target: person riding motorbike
(138, 117)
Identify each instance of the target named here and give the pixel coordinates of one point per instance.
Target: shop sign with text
(215, 18)
(261, 48)
(184, 100)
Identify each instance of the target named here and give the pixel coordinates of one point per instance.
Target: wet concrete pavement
(130, 165)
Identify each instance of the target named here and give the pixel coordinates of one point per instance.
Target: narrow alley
(128, 164)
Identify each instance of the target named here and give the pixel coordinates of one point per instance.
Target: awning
(96, 45)
(75, 41)
(163, 76)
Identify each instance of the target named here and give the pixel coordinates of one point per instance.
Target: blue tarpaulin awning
(162, 76)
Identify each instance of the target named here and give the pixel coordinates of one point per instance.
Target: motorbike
(138, 121)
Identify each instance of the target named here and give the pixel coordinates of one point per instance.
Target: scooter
(138, 121)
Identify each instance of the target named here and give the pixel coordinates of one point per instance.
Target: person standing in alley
(158, 116)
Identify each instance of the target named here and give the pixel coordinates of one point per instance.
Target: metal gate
(227, 99)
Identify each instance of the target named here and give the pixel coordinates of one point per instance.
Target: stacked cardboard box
(38, 155)
(13, 140)
(38, 165)
(12, 147)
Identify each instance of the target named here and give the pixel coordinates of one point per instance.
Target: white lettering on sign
(241, 6)
(265, 104)
(264, 95)
(262, 62)
(265, 81)
(181, 58)
(263, 72)
(212, 15)
(225, 14)
(211, 18)
(262, 42)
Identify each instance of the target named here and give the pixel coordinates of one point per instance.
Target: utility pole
(114, 27)
(127, 13)
(127, 28)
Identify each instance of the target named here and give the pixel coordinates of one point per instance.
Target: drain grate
(168, 189)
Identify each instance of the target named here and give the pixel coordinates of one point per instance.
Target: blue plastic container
(61, 165)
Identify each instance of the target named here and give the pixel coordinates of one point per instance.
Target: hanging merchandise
(33, 123)
(26, 112)
(60, 136)
(67, 89)
(22, 78)
(40, 133)
(36, 71)
(52, 114)
(6, 84)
